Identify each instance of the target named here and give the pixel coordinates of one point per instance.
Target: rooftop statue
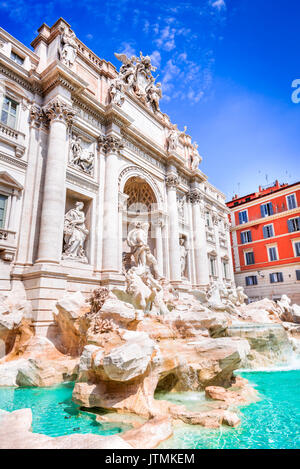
(136, 76)
(173, 137)
(195, 158)
(68, 47)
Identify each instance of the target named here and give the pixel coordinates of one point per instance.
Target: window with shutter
(276, 277)
(252, 280)
(267, 210)
(249, 258)
(246, 237)
(273, 254)
(291, 201)
(294, 224)
(243, 217)
(268, 231)
(297, 249)
(3, 203)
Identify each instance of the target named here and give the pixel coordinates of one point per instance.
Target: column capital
(57, 110)
(110, 143)
(195, 196)
(172, 181)
(36, 116)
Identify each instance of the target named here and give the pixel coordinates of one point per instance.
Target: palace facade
(85, 155)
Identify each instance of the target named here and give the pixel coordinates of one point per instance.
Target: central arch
(140, 195)
(140, 200)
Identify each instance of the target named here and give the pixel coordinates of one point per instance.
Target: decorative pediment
(212, 253)
(8, 181)
(225, 258)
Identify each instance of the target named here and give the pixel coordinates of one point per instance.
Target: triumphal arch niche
(97, 182)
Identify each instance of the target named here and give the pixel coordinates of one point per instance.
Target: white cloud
(156, 58)
(127, 48)
(89, 36)
(218, 4)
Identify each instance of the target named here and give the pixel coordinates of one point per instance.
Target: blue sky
(226, 68)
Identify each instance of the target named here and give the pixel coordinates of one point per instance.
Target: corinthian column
(174, 248)
(199, 234)
(52, 218)
(111, 146)
(31, 191)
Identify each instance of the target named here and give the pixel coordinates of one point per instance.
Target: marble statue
(173, 139)
(116, 91)
(68, 47)
(183, 255)
(237, 296)
(81, 157)
(143, 281)
(214, 295)
(195, 158)
(137, 241)
(153, 93)
(242, 297)
(136, 76)
(75, 233)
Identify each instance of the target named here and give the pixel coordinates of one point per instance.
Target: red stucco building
(265, 236)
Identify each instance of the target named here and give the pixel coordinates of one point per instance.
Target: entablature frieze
(14, 161)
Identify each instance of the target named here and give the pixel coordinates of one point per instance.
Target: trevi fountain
(120, 323)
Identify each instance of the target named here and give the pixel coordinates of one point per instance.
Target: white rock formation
(131, 359)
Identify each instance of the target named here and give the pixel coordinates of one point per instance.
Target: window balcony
(7, 244)
(13, 138)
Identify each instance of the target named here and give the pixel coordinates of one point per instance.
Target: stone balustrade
(13, 137)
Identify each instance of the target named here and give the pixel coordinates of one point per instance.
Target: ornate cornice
(172, 181)
(195, 196)
(110, 144)
(33, 87)
(57, 110)
(13, 161)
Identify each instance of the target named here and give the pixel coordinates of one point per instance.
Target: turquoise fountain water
(53, 411)
(273, 422)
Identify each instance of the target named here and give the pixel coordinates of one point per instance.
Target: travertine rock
(150, 434)
(231, 419)
(72, 323)
(122, 313)
(131, 359)
(40, 365)
(16, 327)
(190, 322)
(263, 311)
